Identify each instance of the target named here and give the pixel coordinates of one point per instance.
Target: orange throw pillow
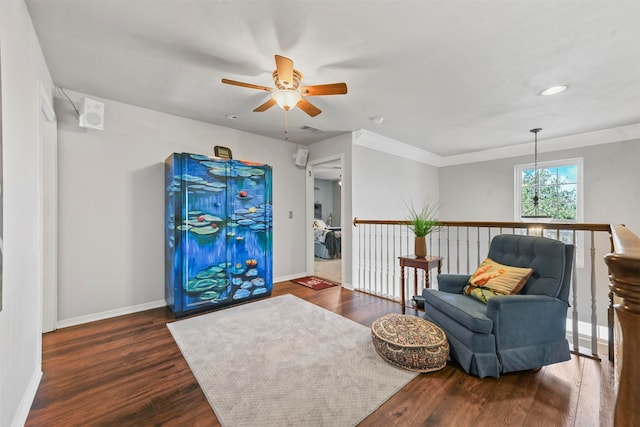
(492, 278)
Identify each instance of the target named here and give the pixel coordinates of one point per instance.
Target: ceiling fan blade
(328, 89)
(249, 85)
(284, 67)
(308, 108)
(270, 103)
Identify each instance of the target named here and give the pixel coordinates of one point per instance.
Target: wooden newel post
(624, 274)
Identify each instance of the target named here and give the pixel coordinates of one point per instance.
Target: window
(560, 196)
(560, 190)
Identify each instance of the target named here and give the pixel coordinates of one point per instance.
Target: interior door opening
(327, 220)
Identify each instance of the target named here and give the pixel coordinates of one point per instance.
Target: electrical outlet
(290, 214)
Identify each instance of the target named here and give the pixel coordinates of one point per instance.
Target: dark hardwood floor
(128, 371)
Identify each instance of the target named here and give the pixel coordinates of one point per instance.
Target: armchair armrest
(452, 283)
(524, 320)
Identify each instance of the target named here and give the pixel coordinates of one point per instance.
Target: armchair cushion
(545, 256)
(492, 279)
(468, 311)
(452, 283)
(526, 319)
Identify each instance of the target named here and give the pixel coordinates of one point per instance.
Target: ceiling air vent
(310, 128)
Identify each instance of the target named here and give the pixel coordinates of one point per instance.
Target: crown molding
(605, 136)
(374, 141)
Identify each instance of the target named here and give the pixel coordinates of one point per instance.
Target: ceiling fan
(288, 93)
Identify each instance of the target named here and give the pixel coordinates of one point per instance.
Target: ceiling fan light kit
(286, 98)
(288, 93)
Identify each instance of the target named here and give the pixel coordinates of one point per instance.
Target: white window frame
(579, 162)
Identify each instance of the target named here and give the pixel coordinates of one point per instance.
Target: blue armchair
(510, 332)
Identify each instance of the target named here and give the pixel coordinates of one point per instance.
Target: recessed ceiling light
(231, 116)
(377, 119)
(553, 90)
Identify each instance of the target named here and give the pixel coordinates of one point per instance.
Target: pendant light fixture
(536, 194)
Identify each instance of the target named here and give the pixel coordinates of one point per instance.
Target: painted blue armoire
(218, 237)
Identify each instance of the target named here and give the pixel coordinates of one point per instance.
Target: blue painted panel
(218, 232)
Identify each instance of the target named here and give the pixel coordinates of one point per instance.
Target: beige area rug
(283, 361)
(330, 269)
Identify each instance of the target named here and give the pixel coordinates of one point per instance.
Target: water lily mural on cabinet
(218, 238)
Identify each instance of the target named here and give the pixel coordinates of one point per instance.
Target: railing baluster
(478, 241)
(594, 316)
(365, 283)
(363, 249)
(439, 243)
(488, 239)
(448, 252)
(360, 256)
(376, 268)
(457, 250)
(394, 263)
(468, 266)
(363, 259)
(574, 309)
(369, 262)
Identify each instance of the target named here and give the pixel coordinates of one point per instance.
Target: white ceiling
(449, 77)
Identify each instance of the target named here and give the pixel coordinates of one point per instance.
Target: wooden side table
(426, 264)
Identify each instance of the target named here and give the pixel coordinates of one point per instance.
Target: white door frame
(310, 195)
(48, 212)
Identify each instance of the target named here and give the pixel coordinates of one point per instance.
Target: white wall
(375, 185)
(383, 184)
(23, 71)
(111, 204)
(337, 203)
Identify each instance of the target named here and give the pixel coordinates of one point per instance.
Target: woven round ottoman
(410, 342)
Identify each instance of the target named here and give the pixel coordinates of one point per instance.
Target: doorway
(327, 219)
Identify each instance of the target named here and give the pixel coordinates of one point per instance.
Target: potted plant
(422, 222)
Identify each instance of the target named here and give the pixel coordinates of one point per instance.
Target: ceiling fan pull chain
(286, 125)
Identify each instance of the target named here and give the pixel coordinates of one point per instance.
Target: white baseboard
(65, 323)
(20, 417)
(110, 313)
(289, 277)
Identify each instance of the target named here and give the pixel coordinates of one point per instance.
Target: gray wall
(24, 72)
(111, 204)
(485, 191)
(323, 194)
(327, 193)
